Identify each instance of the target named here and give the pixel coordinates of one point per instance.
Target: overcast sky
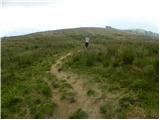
(38, 15)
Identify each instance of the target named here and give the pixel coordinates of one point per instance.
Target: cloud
(8, 3)
(58, 14)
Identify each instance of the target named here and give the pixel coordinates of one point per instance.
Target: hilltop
(89, 30)
(51, 74)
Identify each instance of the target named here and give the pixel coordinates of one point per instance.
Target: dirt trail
(88, 104)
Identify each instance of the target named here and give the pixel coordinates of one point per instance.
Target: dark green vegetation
(79, 114)
(123, 65)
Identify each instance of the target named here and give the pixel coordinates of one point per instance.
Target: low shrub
(91, 92)
(69, 96)
(140, 84)
(43, 110)
(107, 110)
(126, 101)
(127, 56)
(79, 114)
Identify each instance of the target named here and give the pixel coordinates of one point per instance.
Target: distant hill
(94, 32)
(107, 31)
(143, 32)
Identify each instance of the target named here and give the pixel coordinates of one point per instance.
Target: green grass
(79, 114)
(124, 67)
(25, 60)
(43, 110)
(108, 110)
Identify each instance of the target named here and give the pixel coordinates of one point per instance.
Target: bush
(56, 84)
(91, 93)
(79, 114)
(43, 110)
(105, 63)
(140, 84)
(14, 101)
(156, 65)
(89, 62)
(149, 72)
(65, 84)
(107, 110)
(75, 58)
(43, 88)
(127, 56)
(116, 62)
(126, 101)
(68, 95)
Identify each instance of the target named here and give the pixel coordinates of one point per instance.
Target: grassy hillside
(117, 75)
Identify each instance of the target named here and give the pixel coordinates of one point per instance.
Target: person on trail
(87, 42)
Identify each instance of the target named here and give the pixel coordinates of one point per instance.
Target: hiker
(87, 42)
